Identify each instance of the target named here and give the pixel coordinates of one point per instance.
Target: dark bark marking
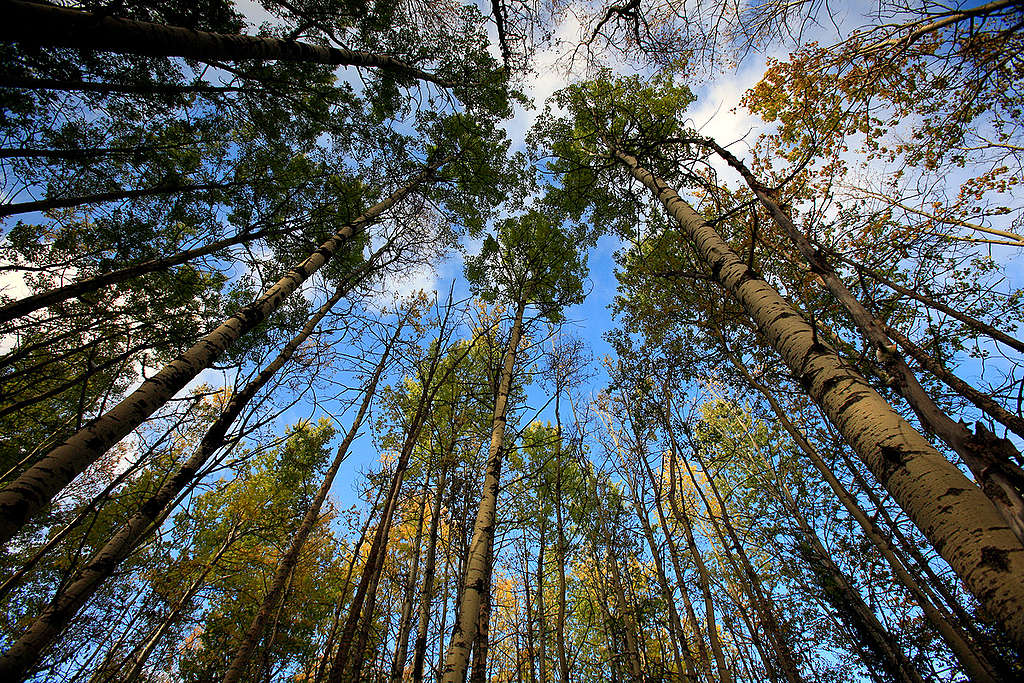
(996, 558)
(893, 458)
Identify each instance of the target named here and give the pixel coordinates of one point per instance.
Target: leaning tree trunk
(457, 658)
(112, 196)
(990, 459)
(347, 659)
(34, 302)
(915, 294)
(982, 401)
(974, 663)
(290, 559)
(409, 595)
(39, 24)
(38, 485)
(953, 513)
(27, 650)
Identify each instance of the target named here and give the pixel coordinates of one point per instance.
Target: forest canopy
(511, 341)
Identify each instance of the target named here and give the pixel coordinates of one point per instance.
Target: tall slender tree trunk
(916, 294)
(457, 658)
(422, 627)
(27, 650)
(112, 196)
(974, 663)
(141, 655)
(531, 648)
(703, 668)
(759, 597)
(682, 654)
(39, 24)
(986, 456)
(630, 630)
(563, 659)
(54, 296)
(38, 485)
(366, 625)
(681, 651)
(542, 669)
(409, 595)
(751, 585)
(286, 565)
(345, 660)
(953, 513)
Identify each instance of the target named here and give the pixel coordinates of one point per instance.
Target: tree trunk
(31, 23)
(32, 303)
(405, 621)
(531, 648)
(420, 649)
(482, 642)
(24, 653)
(761, 600)
(464, 633)
(286, 566)
(974, 663)
(37, 486)
(563, 660)
(636, 667)
(985, 403)
(542, 669)
(344, 659)
(953, 513)
(916, 295)
(988, 458)
(704, 667)
(113, 196)
(725, 674)
(681, 652)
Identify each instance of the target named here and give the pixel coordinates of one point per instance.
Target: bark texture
(954, 514)
(474, 586)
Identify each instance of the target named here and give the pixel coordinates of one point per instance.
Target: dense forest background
(519, 340)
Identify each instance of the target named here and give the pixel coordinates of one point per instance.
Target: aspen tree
(39, 24)
(529, 262)
(24, 653)
(37, 486)
(951, 511)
